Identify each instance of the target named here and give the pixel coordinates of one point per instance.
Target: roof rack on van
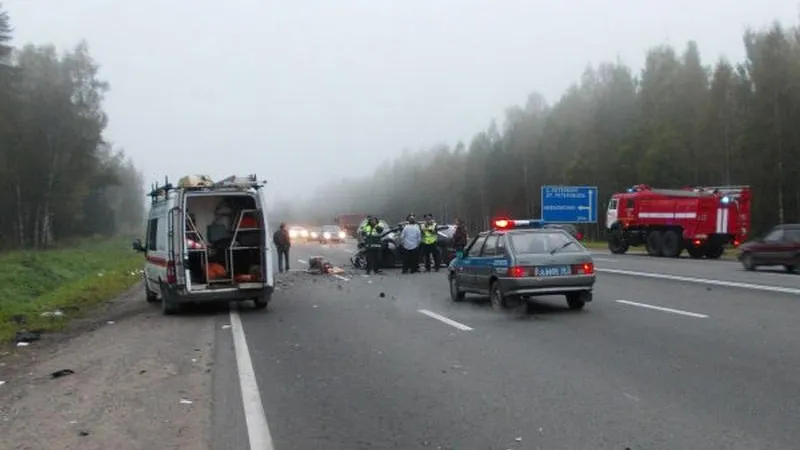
(160, 191)
(232, 182)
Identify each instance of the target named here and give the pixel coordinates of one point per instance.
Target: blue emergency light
(505, 224)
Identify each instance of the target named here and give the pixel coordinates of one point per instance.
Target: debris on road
(381, 295)
(225, 327)
(56, 313)
(185, 402)
(27, 336)
(61, 373)
(319, 266)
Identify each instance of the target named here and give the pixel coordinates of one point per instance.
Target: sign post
(569, 204)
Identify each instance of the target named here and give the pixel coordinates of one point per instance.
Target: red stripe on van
(157, 260)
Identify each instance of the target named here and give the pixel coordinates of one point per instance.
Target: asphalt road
(672, 354)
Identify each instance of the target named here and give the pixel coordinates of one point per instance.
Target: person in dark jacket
(282, 244)
(460, 238)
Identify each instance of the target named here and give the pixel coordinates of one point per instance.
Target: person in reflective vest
(430, 243)
(372, 233)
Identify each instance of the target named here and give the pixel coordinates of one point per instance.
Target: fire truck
(702, 220)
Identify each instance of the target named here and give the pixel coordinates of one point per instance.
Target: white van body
(199, 226)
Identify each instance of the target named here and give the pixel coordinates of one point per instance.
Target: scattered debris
(55, 313)
(225, 327)
(83, 433)
(61, 373)
(2, 382)
(111, 322)
(28, 336)
(23, 344)
(381, 295)
(185, 402)
(519, 439)
(142, 372)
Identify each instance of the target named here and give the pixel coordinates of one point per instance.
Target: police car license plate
(553, 271)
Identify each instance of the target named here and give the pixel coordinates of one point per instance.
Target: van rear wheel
(262, 302)
(168, 306)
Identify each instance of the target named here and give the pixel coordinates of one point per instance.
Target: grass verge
(41, 291)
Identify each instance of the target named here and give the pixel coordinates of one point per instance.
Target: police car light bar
(529, 223)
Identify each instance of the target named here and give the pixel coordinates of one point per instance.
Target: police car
(518, 259)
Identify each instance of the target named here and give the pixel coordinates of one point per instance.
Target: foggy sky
(302, 91)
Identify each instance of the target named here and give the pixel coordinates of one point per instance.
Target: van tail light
(172, 276)
(516, 272)
(583, 269)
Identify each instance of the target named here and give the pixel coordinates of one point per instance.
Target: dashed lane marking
(444, 319)
(661, 308)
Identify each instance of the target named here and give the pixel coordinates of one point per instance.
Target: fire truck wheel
(671, 245)
(616, 244)
(714, 252)
(655, 243)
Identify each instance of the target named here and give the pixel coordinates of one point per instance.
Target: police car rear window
(539, 242)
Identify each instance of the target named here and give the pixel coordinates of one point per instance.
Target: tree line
(59, 177)
(678, 122)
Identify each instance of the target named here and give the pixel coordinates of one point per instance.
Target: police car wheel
(501, 302)
(575, 301)
(456, 294)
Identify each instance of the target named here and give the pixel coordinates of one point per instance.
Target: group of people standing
(416, 240)
(422, 239)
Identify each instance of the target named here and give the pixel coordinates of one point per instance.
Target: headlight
(292, 233)
(314, 235)
(326, 235)
(304, 233)
(341, 235)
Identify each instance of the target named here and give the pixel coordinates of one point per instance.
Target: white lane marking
(632, 397)
(605, 259)
(661, 308)
(444, 319)
(302, 261)
(257, 427)
(734, 284)
(341, 277)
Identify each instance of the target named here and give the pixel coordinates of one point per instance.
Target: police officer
(372, 233)
(430, 243)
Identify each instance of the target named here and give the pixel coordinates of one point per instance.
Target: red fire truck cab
(701, 220)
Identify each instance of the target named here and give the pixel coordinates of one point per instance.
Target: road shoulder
(139, 380)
